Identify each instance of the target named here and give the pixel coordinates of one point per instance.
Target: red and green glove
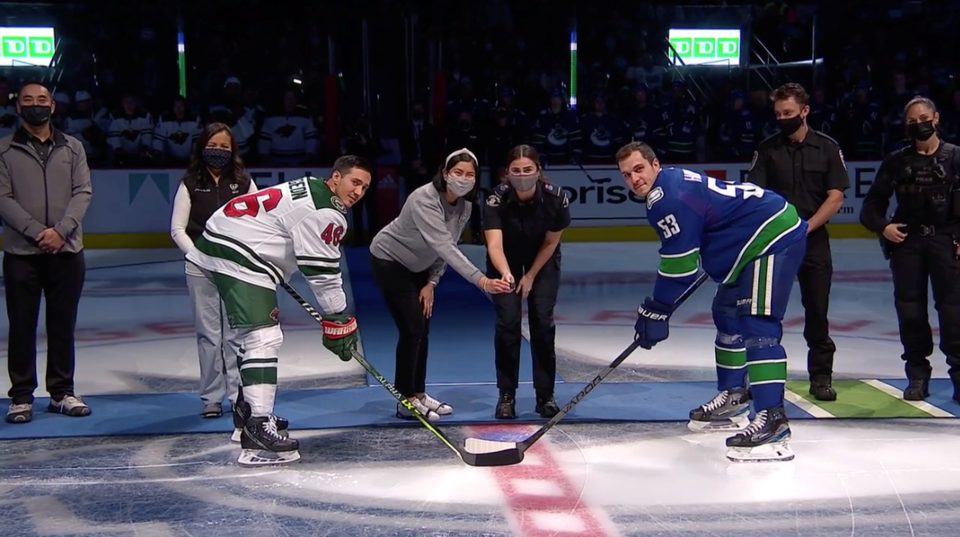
(340, 335)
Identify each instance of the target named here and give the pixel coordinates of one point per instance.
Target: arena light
(26, 47)
(718, 47)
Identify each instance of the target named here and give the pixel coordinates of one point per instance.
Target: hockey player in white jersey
(176, 132)
(288, 137)
(251, 245)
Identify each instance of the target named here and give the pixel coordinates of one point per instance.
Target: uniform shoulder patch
(493, 200)
(753, 161)
(654, 196)
(338, 204)
(842, 160)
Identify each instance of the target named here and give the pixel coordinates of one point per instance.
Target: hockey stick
(516, 449)
(472, 454)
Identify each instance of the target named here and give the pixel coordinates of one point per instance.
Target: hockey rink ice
(872, 477)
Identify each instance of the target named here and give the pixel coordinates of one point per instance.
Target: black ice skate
(282, 423)
(728, 411)
(262, 445)
(765, 439)
(506, 406)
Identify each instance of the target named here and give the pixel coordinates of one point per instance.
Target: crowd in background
(507, 69)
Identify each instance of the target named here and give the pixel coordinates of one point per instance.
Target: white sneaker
(437, 406)
(405, 414)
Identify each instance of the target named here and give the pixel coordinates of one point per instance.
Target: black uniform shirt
(207, 197)
(873, 212)
(800, 172)
(525, 224)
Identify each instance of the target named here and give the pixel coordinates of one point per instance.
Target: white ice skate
(764, 440)
(728, 411)
(437, 406)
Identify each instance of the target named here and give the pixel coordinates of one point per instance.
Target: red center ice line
(541, 500)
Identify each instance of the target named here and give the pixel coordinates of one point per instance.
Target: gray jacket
(36, 195)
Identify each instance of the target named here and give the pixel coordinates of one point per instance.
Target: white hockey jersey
(130, 135)
(90, 130)
(174, 138)
(8, 119)
(265, 237)
(288, 138)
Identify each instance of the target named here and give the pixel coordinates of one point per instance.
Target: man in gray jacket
(44, 193)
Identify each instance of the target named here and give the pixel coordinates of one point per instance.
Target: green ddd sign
(705, 47)
(22, 47)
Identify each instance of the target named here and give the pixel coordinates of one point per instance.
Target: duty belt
(929, 231)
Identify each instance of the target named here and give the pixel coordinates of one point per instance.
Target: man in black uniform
(523, 221)
(921, 242)
(807, 168)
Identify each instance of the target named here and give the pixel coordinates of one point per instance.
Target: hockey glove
(340, 335)
(653, 323)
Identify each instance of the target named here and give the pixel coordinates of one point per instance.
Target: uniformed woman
(921, 242)
(523, 221)
(214, 176)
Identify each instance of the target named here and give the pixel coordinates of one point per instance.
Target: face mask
(35, 116)
(523, 183)
(921, 131)
(216, 159)
(459, 187)
(790, 125)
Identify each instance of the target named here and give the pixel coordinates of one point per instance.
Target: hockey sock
(259, 379)
(731, 356)
(767, 370)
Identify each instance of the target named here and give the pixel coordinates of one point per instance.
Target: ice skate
(282, 425)
(405, 414)
(437, 406)
(764, 440)
(728, 411)
(262, 445)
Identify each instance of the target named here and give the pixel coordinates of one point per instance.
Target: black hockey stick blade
(475, 453)
(520, 447)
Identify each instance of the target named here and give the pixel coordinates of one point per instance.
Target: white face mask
(460, 186)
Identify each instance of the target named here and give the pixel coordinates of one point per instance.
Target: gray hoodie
(36, 195)
(425, 236)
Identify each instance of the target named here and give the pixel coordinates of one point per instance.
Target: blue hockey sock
(731, 359)
(767, 370)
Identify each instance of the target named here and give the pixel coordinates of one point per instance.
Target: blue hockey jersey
(721, 226)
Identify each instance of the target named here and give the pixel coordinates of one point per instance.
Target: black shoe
(547, 407)
(917, 390)
(821, 388)
(506, 406)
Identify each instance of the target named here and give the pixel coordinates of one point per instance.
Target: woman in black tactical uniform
(921, 242)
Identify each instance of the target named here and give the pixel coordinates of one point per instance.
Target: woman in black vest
(214, 177)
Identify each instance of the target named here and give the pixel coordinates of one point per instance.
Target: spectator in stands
(176, 133)
(288, 137)
(130, 135)
(41, 206)
(361, 141)
(8, 110)
(418, 149)
(214, 177)
(89, 126)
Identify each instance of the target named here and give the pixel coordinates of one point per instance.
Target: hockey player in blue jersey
(751, 242)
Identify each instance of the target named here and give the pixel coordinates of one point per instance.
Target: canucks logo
(600, 137)
(558, 136)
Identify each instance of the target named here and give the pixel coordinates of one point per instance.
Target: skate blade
(737, 423)
(767, 453)
(253, 458)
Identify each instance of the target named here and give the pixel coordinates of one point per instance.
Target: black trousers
(59, 278)
(543, 330)
(914, 262)
(401, 290)
(815, 278)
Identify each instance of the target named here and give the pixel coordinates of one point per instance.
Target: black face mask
(921, 131)
(790, 125)
(35, 116)
(215, 158)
